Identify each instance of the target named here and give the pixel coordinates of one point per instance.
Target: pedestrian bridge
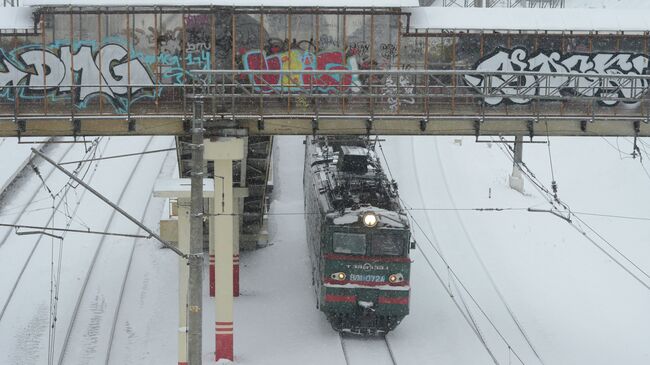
(97, 70)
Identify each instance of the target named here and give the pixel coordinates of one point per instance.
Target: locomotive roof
(349, 192)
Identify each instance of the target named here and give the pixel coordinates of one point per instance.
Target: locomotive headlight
(369, 219)
(338, 276)
(396, 278)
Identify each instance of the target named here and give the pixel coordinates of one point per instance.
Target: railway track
(367, 350)
(25, 307)
(94, 294)
(23, 209)
(125, 277)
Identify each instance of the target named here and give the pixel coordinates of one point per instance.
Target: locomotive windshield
(386, 244)
(350, 243)
(380, 243)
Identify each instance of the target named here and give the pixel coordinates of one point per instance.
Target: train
(358, 235)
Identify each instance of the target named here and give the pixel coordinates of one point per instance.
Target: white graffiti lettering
(105, 72)
(520, 90)
(398, 95)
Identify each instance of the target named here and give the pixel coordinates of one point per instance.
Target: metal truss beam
(359, 125)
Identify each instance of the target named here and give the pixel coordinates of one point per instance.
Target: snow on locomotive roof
(354, 150)
(387, 218)
(529, 19)
(247, 3)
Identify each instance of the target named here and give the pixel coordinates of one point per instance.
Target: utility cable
(550, 160)
(119, 156)
(543, 190)
(455, 276)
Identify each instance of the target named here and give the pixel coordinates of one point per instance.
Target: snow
(24, 323)
(13, 158)
(529, 19)
(252, 3)
(180, 188)
(16, 18)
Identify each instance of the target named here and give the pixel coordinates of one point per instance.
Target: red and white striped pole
(223, 252)
(223, 152)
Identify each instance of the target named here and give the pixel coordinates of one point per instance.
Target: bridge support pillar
(516, 179)
(183, 277)
(180, 189)
(238, 205)
(223, 152)
(211, 233)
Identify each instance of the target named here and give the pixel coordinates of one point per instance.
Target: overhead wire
(543, 190)
(470, 320)
(55, 279)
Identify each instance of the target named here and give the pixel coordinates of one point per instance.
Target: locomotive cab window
(350, 243)
(387, 244)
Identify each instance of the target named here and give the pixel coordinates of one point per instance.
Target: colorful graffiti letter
(298, 60)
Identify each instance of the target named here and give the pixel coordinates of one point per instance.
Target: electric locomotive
(358, 236)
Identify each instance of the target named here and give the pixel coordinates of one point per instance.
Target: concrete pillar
(183, 277)
(211, 246)
(516, 179)
(181, 189)
(224, 238)
(223, 152)
(235, 247)
(238, 208)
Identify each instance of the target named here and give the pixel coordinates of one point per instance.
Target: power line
(118, 156)
(542, 189)
(471, 322)
(44, 229)
(613, 216)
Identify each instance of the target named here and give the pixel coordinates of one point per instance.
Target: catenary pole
(195, 287)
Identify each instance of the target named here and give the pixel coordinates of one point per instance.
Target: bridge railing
(354, 94)
(367, 93)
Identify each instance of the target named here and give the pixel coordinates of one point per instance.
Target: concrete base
(516, 180)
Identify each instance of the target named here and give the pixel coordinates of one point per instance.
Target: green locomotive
(358, 235)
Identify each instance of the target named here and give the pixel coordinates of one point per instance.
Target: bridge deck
(90, 71)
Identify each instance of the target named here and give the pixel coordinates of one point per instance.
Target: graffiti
(361, 49)
(398, 94)
(299, 60)
(412, 51)
(199, 20)
(521, 90)
(46, 72)
(388, 51)
(169, 41)
(327, 41)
